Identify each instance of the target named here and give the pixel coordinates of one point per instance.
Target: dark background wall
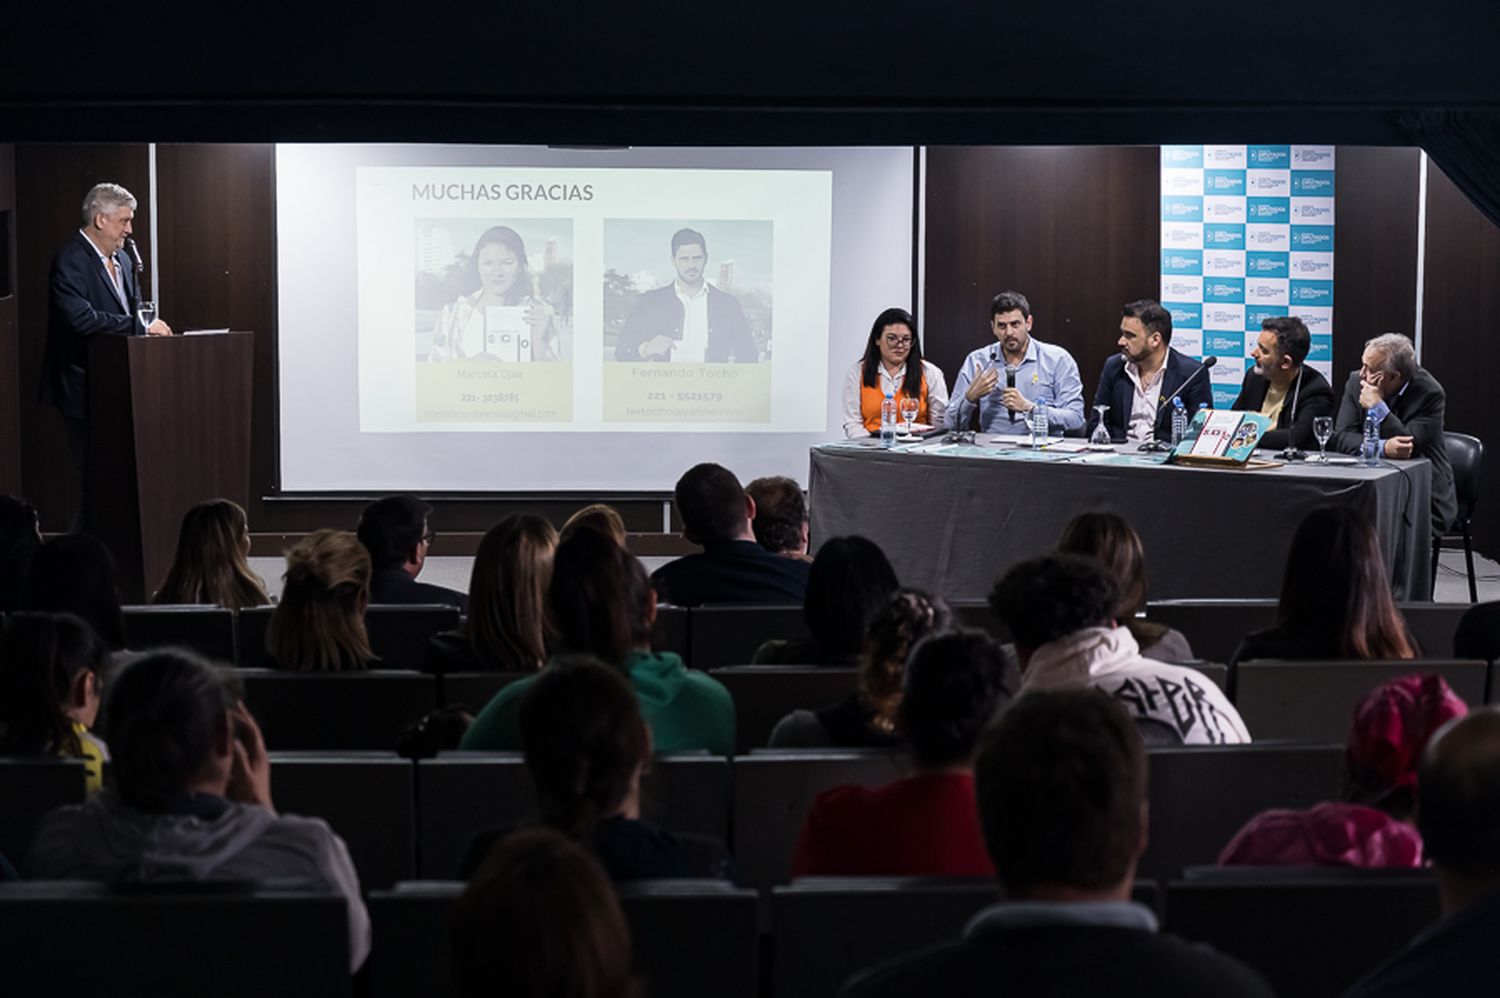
(10, 375)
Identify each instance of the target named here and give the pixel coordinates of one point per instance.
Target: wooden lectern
(169, 426)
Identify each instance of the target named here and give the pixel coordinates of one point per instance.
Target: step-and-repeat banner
(1246, 233)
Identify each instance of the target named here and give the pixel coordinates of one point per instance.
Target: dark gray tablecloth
(954, 523)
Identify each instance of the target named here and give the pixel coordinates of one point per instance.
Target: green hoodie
(685, 709)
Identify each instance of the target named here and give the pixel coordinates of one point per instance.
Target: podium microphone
(1010, 382)
(135, 254)
(1293, 452)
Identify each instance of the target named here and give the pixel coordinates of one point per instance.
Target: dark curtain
(1465, 144)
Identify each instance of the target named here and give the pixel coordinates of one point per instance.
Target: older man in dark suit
(92, 290)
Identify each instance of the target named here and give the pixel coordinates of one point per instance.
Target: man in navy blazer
(1144, 374)
(92, 290)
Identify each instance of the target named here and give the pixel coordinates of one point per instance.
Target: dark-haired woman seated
(210, 564)
(849, 580)
(506, 630)
(892, 364)
(50, 668)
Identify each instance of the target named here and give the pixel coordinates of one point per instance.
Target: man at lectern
(689, 320)
(93, 289)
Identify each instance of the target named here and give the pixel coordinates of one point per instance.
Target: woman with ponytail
(49, 690)
(319, 626)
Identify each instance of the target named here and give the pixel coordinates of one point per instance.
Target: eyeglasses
(898, 341)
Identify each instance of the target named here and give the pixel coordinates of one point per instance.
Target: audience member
(191, 798)
(1060, 609)
(892, 366)
(925, 824)
(50, 664)
(601, 603)
(210, 565)
(75, 573)
(596, 516)
(866, 718)
(1112, 541)
(781, 522)
(507, 628)
(1335, 597)
(1061, 785)
(540, 919)
(732, 568)
(1373, 825)
(850, 579)
(1458, 814)
(20, 536)
(319, 625)
(396, 533)
(587, 748)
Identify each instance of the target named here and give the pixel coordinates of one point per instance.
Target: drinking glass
(1101, 432)
(146, 311)
(1322, 429)
(909, 409)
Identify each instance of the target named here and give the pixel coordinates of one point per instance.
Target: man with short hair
(1007, 380)
(1060, 779)
(1281, 384)
(1146, 373)
(733, 568)
(394, 530)
(1458, 814)
(1408, 405)
(689, 320)
(781, 523)
(92, 291)
(1060, 608)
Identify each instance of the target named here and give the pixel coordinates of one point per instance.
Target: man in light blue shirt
(1007, 380)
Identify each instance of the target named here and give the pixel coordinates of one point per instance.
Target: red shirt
(925, 826)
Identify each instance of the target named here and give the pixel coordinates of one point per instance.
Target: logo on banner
(1182, 156)
(1318, 211)
(1223, 343)
(1224, 397)
(1261, 264)
(1182, 181)
(1182, 261)
(1185, 315)
(1182, 235)
(1189, 342)
(1268, 237)
(1224, 182)
(1181, 208)
(1256, 314)
(1317, 318)
(1224, 157)
(1267, 291)
(1312, 266)
(1224, 289)
(1224, 263)
(1312, 237)
(1312, 183)
(1223, 235)
(1270, 157)
(1317, 157)
(1224, 209)
(1322, 348)
(1224, 318)
(1264, 210)
(1312, 292)
(1269, 183)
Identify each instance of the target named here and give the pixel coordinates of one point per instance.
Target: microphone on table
(135, 255)
(1153, 444)
(1010, 382)
(1293, 452)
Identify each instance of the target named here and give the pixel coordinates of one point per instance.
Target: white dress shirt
(1142, 425)
(693, 346)
(937, 394)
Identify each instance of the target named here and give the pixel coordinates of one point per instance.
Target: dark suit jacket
(1314, 399)
(1117, 391)
(659, 312)
(732, 572)
(1417, 413)
(81, 303)
(394, 585)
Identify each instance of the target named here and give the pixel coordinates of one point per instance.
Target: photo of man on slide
(689, 320)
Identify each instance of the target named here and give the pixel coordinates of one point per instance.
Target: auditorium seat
(691, 937)
(366, 797)
(980, 617)
(772, 792)
(1434, 625)
(670, 632)
(728, 635)
(229, 940)
(473, 689)
(336, 710)
(1316, 699)
(1310, 932)
(398, 634)
(462, 793)
(1201, 796)
(764, 694)
(29, 788)
(250, 638)
(207, 630)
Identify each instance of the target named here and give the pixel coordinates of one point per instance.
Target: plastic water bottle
(1179, 420)
(1039, 423)
(1369, 450)
(888, 420)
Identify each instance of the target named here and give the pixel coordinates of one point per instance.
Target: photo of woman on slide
(504, 311)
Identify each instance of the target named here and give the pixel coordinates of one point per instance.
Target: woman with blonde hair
(506, 630)
(210, 565)
(319, 626)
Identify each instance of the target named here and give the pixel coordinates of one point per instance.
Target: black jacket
(395, 585)
(1314, 398)
(732, 572)
(82, 303)
(659, 312)
(1117, 391)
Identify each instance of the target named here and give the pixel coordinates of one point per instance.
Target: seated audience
(319, 625)
(925, 824)
(1374, 824)
(210, 565)
(733, 568)
(866, 718)
(539, 918)
(20, 536)
(596, 516)
(850, 579)
(587, 748)
(892, 365)
(396, 533)
(1335, 597)
(191, 799)
(1061, 784)
(1060, 609)
(75, 573)
(1458, 786)
(1113, 542)
(507, 629)
(781, 522)
(600, 603)
(50, 664)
